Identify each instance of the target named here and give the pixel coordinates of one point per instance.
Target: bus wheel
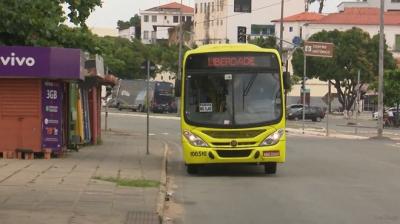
(192, 169)
(270, 168)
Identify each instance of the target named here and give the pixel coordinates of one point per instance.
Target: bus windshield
(235, 99)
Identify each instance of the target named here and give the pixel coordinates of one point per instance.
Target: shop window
(262, 29)
(146, 18)
(242, 6)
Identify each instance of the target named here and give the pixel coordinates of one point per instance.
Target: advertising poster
(52, 115)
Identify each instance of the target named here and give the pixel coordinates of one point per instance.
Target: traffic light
(242, 34)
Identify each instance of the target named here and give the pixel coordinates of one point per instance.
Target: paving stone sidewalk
(64, 191)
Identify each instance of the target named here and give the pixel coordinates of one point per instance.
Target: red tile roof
(360, 16)
(173, 5)
(304, 16)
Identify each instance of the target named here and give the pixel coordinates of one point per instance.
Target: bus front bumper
(256, 155)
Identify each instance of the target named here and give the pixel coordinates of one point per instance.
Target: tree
(354, 51)
(40, 23)
(123, 57)
(268, 42)
(321, 5)
(134, 21)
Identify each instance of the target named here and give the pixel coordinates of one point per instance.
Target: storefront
(35, 98)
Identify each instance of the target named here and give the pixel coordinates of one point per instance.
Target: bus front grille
(228, 144)
(234, 134)
(234, 153)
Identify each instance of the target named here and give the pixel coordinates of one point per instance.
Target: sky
(114, 10)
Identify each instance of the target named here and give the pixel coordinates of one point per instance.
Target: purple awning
(40, 62)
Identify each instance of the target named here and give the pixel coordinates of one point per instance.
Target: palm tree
(321, 4)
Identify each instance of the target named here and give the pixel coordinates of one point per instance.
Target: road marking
(165, 133)
(143, 115)
(151, 134)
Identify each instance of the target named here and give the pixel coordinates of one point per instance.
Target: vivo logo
(16, 61)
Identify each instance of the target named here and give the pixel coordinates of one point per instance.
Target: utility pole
(304, 89)
(180, 42)
(358, 100)
(380, 84)
(148, 107)
(281, 30)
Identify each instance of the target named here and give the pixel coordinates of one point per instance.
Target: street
(324, 180)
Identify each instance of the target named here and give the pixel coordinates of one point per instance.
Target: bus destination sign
(232, 60)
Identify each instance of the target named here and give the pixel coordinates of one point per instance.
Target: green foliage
(134, 21)
(354, 50)
(40, 23)
(391, 87)
(79, 9)
(124, 57)
(269, 42)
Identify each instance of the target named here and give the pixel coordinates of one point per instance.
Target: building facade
(127, 33)
(233, 21)
(304, 25)
(155, 22)
(390, 5)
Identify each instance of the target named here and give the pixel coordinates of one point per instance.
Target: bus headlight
(273, 138)
(194, 139)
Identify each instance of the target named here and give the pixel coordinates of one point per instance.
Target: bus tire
(192, 169)
(270, 168)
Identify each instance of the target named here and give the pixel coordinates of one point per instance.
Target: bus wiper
(249, 85)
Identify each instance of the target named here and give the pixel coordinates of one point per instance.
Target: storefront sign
(52, 93)
(40, 62)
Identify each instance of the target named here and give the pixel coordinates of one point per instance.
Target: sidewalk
(64, 191)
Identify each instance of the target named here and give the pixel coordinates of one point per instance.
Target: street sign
(318, 49)
(296, 41)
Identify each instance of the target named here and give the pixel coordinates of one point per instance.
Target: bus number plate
(198, 153)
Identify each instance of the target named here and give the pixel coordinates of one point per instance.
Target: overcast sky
(114, 10)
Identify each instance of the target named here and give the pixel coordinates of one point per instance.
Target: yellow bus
(232, 106)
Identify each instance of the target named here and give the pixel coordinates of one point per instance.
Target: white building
(127, 33)
(156, 21)
(221, 21)
(366, 18)
(390, 5)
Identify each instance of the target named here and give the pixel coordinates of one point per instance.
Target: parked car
(294, 106)
(311, 113)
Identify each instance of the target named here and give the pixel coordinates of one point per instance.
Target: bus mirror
(286, 80)
(177, 88)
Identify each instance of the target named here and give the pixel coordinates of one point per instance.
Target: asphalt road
(323, 181)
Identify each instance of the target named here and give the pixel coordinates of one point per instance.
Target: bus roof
(230, 48)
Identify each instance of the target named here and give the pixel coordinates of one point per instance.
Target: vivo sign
(40, 62)
(14, 60)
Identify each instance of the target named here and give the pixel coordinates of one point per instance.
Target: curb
(314, 133)
(143, 115)
(163, 185)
